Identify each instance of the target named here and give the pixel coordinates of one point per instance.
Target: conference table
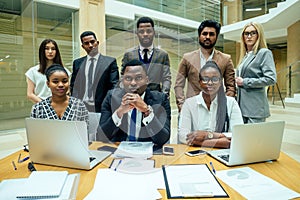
(285, 170)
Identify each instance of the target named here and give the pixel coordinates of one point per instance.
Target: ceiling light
(253, 9)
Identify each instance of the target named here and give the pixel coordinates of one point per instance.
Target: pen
(212, 167)
(22, 160)
(118, 164)
(14, 165)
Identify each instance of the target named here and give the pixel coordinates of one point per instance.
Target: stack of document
(134, 150)
(56, 185)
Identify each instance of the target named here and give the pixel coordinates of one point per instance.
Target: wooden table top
(285, 170)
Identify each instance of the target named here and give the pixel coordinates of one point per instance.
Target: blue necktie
(132, 126)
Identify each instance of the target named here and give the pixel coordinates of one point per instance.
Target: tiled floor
(13, 140)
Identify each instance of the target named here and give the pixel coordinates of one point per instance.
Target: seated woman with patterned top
(59, 106)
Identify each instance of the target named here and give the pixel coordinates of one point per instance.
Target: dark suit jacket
(105, 79)
(159, 69)
(157, 131)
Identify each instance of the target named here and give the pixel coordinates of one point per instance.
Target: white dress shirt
(203, 59)
(139, 120)
(87, 65)
(195, 115)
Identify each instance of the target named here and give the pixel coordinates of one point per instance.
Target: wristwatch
(149, 110)
(210, 135)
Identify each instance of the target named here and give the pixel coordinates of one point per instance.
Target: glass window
(23, 26)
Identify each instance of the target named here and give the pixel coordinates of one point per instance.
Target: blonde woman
(256, 71)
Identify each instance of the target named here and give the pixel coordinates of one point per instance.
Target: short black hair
(86, 33)
(209, 64)
(209, 23)
(144, 20)
(54, 68)
(133, 62)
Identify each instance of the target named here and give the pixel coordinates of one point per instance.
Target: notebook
(43, 184)
(251, 143)
(61, 143)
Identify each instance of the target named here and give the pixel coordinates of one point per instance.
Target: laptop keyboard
(224, 157)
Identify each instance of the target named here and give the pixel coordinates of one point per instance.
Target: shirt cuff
(116, 119)
(148, 119)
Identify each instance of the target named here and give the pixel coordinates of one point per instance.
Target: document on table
(130, 186)
(135, 165)
(134, 150)
(253, 185)
(184, 181)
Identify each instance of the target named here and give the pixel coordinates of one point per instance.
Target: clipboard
(191, 181)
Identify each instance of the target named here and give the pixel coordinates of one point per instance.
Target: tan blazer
(189, 69)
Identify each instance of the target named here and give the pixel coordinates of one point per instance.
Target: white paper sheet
(129, 185)
(253, 185)
(192, 181)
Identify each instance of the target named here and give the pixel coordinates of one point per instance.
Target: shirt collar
(96, 56)
(201, 101)
(150, 48)
(210, 57)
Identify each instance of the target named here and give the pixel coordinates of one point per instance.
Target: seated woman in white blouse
(205, 117)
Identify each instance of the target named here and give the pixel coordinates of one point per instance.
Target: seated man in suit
(133, 112)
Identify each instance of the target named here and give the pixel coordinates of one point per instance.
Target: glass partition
(23, 25)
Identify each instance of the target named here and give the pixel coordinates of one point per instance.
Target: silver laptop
(61, 143)
(252, 143)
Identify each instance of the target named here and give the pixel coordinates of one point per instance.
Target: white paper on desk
(253, 185)
(192, 181)
(133, 165)
(129, 186)
(10, 187)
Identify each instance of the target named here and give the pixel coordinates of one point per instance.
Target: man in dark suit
(155, 59)
(133, 112)
(94, 74)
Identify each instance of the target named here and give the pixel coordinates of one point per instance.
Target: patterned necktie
(132, 126)
(145, 55)
(90, 78)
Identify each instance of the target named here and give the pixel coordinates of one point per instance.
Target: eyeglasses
(214, 79)
(252, 33)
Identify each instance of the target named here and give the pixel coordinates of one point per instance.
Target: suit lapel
(100, 68)
(247, 63)
(154, 58)
(80, 81)
(148, 97)
(196, 60)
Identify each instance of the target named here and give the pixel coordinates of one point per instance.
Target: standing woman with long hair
(37, 89)
(256, 71)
